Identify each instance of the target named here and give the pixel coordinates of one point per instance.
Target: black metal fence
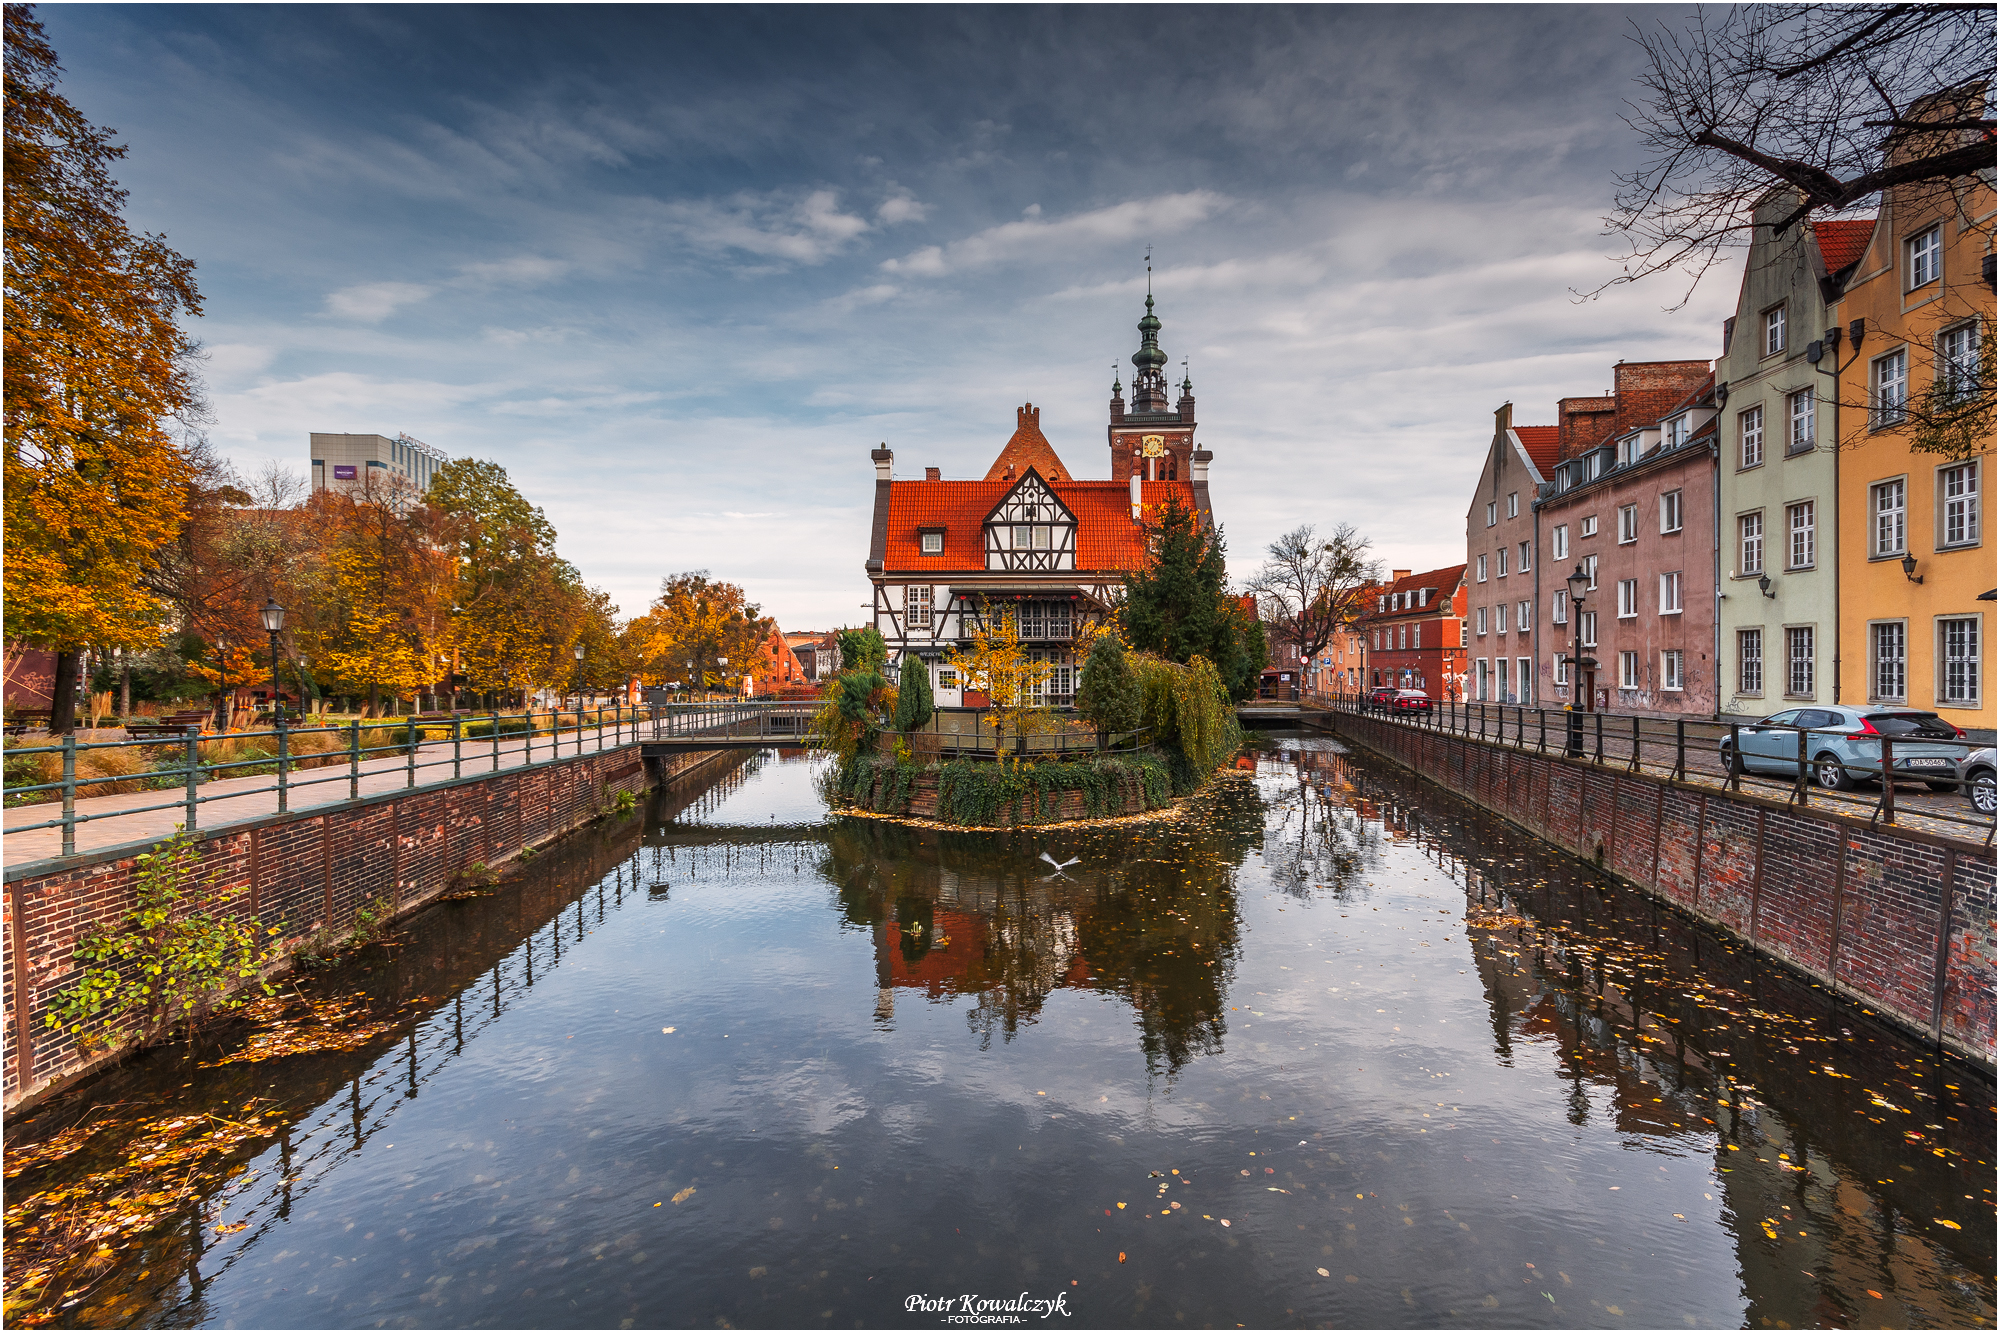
(1813, 765)
(185, 763)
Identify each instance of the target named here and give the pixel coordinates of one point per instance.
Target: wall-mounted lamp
(1910, 569)
(1764, 586)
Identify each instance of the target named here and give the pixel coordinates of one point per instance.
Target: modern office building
(368, 463)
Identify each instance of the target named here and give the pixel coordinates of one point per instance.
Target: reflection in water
(1146, 914)
(735, 1062)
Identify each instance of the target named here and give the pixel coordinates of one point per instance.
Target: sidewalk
(240, 800)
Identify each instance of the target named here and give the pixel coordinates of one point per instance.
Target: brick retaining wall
(306, 873)
(1068, 805)
(1899, 920)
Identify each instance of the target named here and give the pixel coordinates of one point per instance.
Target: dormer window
(1678, 430)
(931, 541)
(1628, 450)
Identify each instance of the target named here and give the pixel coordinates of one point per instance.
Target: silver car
(1975, 775)
(1844, 745)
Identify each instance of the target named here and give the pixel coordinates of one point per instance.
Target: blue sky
(680, 269)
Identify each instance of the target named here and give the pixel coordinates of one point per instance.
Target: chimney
(1135, 497)
(882, 459)
(1198, 462)
(932, 474)
(1028, 415)
(1399, 574)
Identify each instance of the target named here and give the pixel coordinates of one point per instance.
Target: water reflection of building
(964, 917)
(1836, 1144)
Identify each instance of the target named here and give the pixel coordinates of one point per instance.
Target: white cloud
(808, 229)
(1033, 237)
(520, 271)
(902, 207)
(372, 302)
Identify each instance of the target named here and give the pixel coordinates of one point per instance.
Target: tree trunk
(374, 700)
(62, 694)
(125, 683)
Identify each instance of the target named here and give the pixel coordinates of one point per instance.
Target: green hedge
(975, 793)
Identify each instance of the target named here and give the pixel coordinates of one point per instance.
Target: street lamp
(1579, 584)
(274, 625)
(222, 680)
(578, 650)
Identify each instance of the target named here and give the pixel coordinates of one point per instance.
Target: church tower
(1152, 441)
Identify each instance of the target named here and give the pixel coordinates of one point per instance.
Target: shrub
(913, 696)
(1109, 693)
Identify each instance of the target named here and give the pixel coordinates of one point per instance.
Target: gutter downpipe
(1833, 355)
(1715, 555)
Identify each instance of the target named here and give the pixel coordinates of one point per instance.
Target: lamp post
(722, 676)
(222, 681)
(274, 625)
(1579, 583)
(579, 684)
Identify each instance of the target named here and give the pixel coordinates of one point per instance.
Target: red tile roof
(1541, 442)
(1445, 581)
(1107, 538)
(1841, 243)
(1027, 448)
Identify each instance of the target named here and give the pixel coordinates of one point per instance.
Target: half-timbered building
(1029, 537)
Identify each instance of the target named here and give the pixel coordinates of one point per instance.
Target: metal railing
(1702, 751)
(461, 742)
(954, 733)
(772, 720)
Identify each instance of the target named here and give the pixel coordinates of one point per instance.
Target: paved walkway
(114, 821)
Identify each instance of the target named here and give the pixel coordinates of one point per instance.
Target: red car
(1409, 701)
(1378, 699)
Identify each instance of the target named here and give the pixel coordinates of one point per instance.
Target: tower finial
(1149, 270)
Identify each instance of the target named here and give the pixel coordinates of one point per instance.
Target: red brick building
(1413, 636)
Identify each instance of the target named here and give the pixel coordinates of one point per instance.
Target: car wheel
(1979, 790)
(1830, 773)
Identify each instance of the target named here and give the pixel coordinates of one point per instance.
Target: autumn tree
(1823, 98)
(1011, 677)
(1179, 606)
(701, 621)
(1310, 584)
(99, 375)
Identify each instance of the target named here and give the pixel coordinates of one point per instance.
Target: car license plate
(1927, 763)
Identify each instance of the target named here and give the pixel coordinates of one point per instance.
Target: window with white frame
(1889, 388)
(1559, 542)
(1679, 429)
(1559, 668)
(1670, 512)
(1522, 564)
(1417, 635)
(1670, 593)
(1628, 671)
(1750, 429)
(1628, 598)
(947, 678)
(1799, 661)
(1590, 571)
(1801, 535)
(1480, 565)
(1750, 529)
(1958, 662)
(1492, 512)
(1481, 615)
(1587, 623)
(1750, 661)
(1774, 330)
(1671, 670)
(1628, 450)
(1926, 251)
(1524, 680)
(1559, 607)
(1888, 662)
(1800, 406)
(1958, 362)
(1524, 615)
(1885, 513)
(1958, 493)
(917, 606)
(1513, 504)
(1500, 568)
(1401, 632)
(933, 543)
(1628, 524)
(1588, 528)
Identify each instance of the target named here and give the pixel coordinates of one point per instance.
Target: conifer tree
(1180, 606)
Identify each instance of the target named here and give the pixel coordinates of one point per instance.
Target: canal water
(1332, 1049)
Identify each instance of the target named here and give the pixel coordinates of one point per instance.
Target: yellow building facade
(1914, 348)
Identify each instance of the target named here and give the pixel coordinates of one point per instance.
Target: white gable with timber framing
(1031, 529)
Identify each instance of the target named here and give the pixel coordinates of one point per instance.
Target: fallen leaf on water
(1323, 1273)
(229, 1227)
(1943, 1223)
(666, 1029)
(1872, 1292)
(1121, 1205)
(1121, 1256)
(684, 1195)
(1225, 1221)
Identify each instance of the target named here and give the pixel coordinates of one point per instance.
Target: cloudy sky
(680, 269)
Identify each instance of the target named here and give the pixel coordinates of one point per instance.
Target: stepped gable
(1028, 448)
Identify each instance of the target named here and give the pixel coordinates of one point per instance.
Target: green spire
(1149, 356)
